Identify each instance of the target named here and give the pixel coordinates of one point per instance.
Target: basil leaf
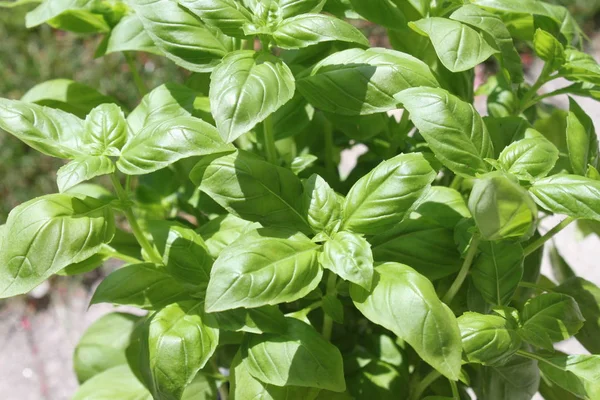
(267, 319)
(115, 383)
(83, 169)
(387, 13)
(144, 285)
(164, 142)
(518, 379)
(582, 141)
(488, 339)
(384, 196)
(572, 195)
(202, 387)
(309, 29)
(253, 189)
(321, 204)
(227, 15)
(580, 67)
(377, 380)
(265, 267)
(38, 230)
(103, 345)
(549, 49)
(78, 16)
(530, 158)
(349, 256)
(452, 128)
(301, 163)
(443, 206)
(427, 325)
(359, 82)
(497, 271)
(298, 357)
(129, 35)
(220, 232)
(576, 373)
(458, 46)
(107, 129)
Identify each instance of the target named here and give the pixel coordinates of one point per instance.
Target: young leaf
(550, 318)
(383, 197)
(579, 374)
(580, 67)
(321, 204)
(77, 16)
(103, 345)
(549, 49)
(49, 233)
(529, 158)
(115, 383)
(264, 267)
(83, 169)
(359, 82)
(452, 128)
(246, 88)
(299, 357)
(488, 339)
(309, 29)
(107, 129)
(497, 271)
(266, 319)
(387, 13)
(220, 232)
(129, 35)
(582, 141)
(427, 325)
(227, 15)
(349, 256)
(518, 379)
(458, 46)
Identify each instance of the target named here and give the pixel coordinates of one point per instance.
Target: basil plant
(268, 274)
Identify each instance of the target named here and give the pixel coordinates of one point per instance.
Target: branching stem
(464, 271)
(137, 79)
(540, 242)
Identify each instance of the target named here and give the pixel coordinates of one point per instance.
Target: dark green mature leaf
(82, 169)
(587, 296)
(349, 256)
(181, 36)
(252, 189)
(298, 357)
(265, 267)
(103, 345)
(67, 95)
(164, 142)
(220, 232)
(572, 195)
(549, 49)
(579, 374)
(387, 13)
(246, 88)
(560, 268)
(452, 128)
(359, 82)
(488, 339)
(458, 46)
(518, 379)
(145, 285)
(309, 29)
(428, 325)
(44, 235)
(266, 319)
(115, 383)
(580, 67)
(550, 318)
(582, 141)
(321, 205)
(129, 35)
(227, 15)
(529, 158)
(497, 271)
(384, 196)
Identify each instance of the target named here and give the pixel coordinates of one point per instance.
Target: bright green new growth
(265, 274)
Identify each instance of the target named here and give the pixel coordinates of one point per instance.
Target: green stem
(223, 392)
(328, 138)
(424, 384)
(533, 286)
(133, 223)
(457, 183)
(327, 321)
(464, 270)
(541, 80)
(269, 138)
(533, 356)
(454, 388)
(137, 79)
(540, 242)
(120, 256)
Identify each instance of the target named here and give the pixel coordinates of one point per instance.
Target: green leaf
(72, 15)
(377, 380)
(458, 46)
(387, 13)
(115, 383)
(301, 163)
(580, 67)
(452, 128)
(266, 267)
(298, 357)
(529, 158)
(201, 388)
(518, 379)
(384, 196)
(220, 232)
(572, 195)
(359, 82)
(83, 169)
(129, 35)
(309, 29)
(267, 319)
(252, 189)
(17, 3)
(227, 15)
(49, 233)
(443, 206)
(321, 205)
(549, 49)
(582, 141)
(145, 286)
(103, 345)
(497, 271)
(67, 95)
(578, 374)
(502, 208)
(246, 88)
(349, 256)
(165, 142)
(182, 37)
(550, 318)
(488, 339)
(428, 325)
(560, 268)
(107, 129)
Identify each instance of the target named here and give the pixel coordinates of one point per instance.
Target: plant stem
(327, 321)
(454, 388)
(541, 80)
(540, 242)
(534, 287)
(137, 79)
(269, 138)
(133, 223)
(464, 270)
(457, 183)
(533, 356)
(424, 384)
(223, 392)
(328, 138)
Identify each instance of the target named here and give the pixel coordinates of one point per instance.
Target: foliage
(264, 273)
